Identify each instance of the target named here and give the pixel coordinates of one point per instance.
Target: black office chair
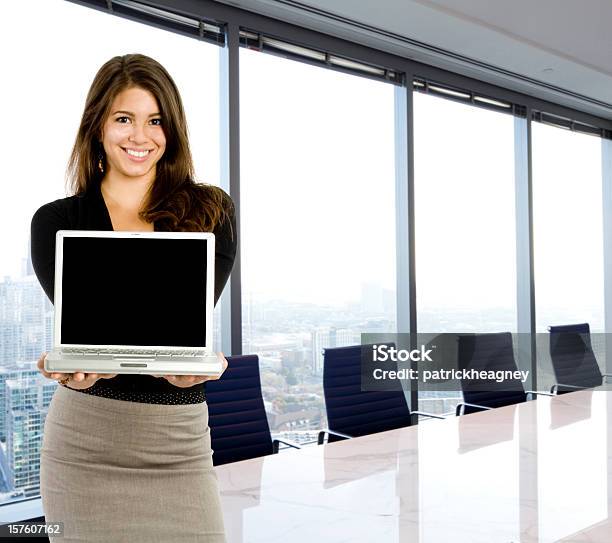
(239, 428)
(573, 360)
(352, 412)
(488, 352)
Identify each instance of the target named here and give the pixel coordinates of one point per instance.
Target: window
(464, 223)
(568, 236)
(318, 225)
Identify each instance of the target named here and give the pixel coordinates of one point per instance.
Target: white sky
(464, 205)
(54, 57)
(317, 168)
(317, 173)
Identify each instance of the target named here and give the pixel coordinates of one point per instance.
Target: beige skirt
(119, 471)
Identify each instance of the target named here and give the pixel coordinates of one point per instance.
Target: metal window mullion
(526, 309)
(404, 223)
(525, 284)
(606, 193)
(229, 122)
(405, 315)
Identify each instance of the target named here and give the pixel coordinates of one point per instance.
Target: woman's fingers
(85, 380)
(191, 380)
(183, 381)
(81, 380)
(215, 377)
(49, 375)
(41, 361)
(78, 378)
(225, 364)
(41, 366)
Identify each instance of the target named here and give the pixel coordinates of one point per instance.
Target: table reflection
(532, 472)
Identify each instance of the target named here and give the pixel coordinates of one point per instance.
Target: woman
(128, 457)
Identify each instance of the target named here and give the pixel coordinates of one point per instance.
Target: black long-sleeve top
(88, 211)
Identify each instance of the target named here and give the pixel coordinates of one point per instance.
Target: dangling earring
(101, 162)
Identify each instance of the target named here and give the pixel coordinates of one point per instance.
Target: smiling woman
(133, 104)
(134, 135)
(131, 169)
(133, 140)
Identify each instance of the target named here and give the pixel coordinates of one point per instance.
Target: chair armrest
(460, 409)
(424, 414)
(321, 437)
(537, 393)
(277, 442)
(555, 388)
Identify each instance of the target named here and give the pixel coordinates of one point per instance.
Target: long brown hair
(174, 201)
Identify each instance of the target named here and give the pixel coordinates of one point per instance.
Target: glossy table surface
(534, 472)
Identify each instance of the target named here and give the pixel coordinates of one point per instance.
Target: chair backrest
(572, 356)
(489, 352)
(349, 409)
(239, 427)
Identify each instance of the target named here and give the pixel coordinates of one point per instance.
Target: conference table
(539, 471)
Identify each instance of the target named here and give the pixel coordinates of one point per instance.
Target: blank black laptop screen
(134, 291)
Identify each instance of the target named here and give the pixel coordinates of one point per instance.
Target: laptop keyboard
(72, 351)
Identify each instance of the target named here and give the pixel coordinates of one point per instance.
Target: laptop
(134, 302)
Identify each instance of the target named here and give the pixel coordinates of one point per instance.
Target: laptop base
(206, 365)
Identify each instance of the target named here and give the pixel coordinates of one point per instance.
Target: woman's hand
(77, 380)
(186, 381)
